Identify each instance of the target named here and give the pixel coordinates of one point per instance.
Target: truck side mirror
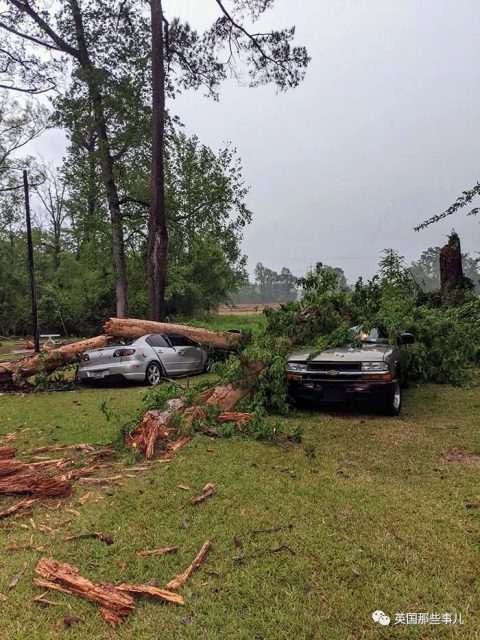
(406, 338)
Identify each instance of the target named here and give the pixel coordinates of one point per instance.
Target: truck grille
(324, 367)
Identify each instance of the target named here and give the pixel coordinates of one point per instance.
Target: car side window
(181, 341)
(156, 340)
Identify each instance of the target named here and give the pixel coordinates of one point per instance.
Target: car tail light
(121, 353)
(85, 357)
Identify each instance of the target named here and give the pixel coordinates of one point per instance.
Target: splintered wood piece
(64, 447)
(38, 486)
(41, 599)
(96, 535)
(16, 578)
(115, 604)
(22, 506)
(157, 552)
(177, 582)
(85, 498)
(150, 590)
(207, 491)
(172, 447)
(3, 598)
(240, 419)
(101, 481)
(7, 453)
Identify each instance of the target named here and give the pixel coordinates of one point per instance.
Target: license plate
(98, 374)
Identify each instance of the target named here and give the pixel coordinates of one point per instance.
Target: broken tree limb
(157, 552)
(132, 328)
(177, 582)
(207, 491)
(6, 453)
(59, 576)
(155, 592)
(96, 535)
(12, 372)
(21, 506)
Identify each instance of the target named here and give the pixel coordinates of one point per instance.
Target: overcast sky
(382, 134)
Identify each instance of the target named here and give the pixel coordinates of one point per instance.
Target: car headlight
(296, 366)
(374, 366)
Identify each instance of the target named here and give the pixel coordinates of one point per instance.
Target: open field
(376, 516)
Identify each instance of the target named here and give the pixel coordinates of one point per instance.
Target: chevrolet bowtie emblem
(332, 372)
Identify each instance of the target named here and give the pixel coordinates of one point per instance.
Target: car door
(165, 353)
(190, 355)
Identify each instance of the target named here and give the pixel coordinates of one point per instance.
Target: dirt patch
(247, 308)
(460, 456)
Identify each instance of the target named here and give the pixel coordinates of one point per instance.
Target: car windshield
(374, 336)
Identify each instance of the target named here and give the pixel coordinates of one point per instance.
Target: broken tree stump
(451, 269)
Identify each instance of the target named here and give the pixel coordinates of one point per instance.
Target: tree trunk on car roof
(131, 328)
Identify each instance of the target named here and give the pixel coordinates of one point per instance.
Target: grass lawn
(226, 321)
(375, 516)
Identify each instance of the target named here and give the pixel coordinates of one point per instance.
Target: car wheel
(208, 365)
(153, 374)
(394, 403)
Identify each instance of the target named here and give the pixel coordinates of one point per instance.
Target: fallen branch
(155, 592)
(157, 552)
(115, 604)
(177, 582)
(64, 447)
(16, 578)
(22, 506)
(6, 453)
(207, 491)
(96, 535)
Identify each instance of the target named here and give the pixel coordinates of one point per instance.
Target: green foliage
(447, 333)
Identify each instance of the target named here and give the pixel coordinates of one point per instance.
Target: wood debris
(41, 599)
(157, 552)
(64, 447)
(177, 582)
(6, 453)
(207, 491)
(240, 419)
(16, 578)
(172, 447)
(22, 506)
(3, 598)
(96, 535)
(115, 604)
(85, 498)
(150, 590)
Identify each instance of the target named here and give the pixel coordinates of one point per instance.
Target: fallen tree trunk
(131, 328)
(59, 576)
(11, 372)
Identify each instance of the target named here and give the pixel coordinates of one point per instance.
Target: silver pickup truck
(373, 372)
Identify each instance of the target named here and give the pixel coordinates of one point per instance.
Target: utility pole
(31, 267)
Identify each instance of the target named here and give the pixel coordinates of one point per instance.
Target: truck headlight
(296, 366)
(374, 366)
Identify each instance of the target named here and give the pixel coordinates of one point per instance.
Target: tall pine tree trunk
(106, 163)
(157, 223)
